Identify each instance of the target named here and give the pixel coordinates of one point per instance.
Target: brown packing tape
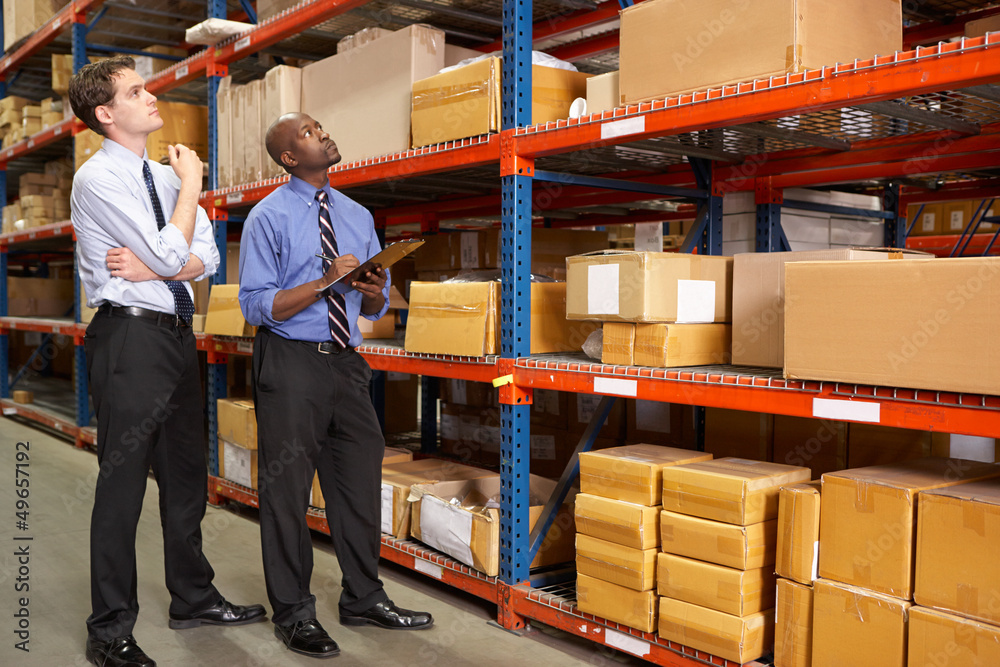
(967, 598)
(730, 546)
(974, 518)
(729, 592)
(856, 605)
(864, 502)
(793, 58)
(554, 98)
(439, 97)
(448, 311)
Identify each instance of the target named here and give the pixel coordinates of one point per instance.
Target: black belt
(163, 319)
(328, 347)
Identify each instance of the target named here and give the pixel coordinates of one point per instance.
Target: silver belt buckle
(319, 348)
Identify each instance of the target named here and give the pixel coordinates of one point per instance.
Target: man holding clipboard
(311, 388)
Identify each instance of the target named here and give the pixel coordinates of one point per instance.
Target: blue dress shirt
(278, 250)
(110, 208)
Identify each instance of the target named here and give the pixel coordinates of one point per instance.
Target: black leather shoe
(119, 652)
(389, 616)
(308, 638)
(222, 613)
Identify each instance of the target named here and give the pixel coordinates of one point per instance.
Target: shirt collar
(124, 156)
(306, 191)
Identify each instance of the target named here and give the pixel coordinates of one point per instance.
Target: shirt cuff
(173, 239)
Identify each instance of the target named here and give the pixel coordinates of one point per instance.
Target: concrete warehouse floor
(61, 496)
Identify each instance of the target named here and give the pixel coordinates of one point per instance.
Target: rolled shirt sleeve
(203, 244)
(259, 270)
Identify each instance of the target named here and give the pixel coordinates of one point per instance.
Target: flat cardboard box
(369, 87)
(740, 547)
(469, 530)
(618, 346)
(854, 626)
(731, 490)
(793, 625)
(670, 47)
(397, 480)
(980, 27)
(939, 638)
(818, 444)
(629, 286)
(633, 473)
(914, 328)
(238, 464)
(958, 538)
(229, 152)
(678, 345)
(282, 93)
(603, 599)
(603, 92)
(237, 421)
(725, 589)
(396, 455)
(225, 318)
(798, 532)
(624, 523)
(759, 301)
(724, 635)
(745, 435)
(868, 519)
(466, 102)
(634, 569)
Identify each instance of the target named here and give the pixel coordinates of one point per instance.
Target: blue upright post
(80, 388)
(4, 358)
(710, 242)
(429, 392)
(515, 261)
(770, 236)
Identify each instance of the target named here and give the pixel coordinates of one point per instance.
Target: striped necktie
(183, 305)
(340, 329)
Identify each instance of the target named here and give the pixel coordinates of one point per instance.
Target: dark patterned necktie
(340, 329)
(183, 306)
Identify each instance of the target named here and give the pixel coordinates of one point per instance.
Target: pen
(327, 258)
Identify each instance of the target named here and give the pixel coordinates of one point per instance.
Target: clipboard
(384, 259)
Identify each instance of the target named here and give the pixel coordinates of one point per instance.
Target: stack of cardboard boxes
(23, 17)
(617, 532)
(12, 119)
(797, 567)
(43, 198)
(950, 217)
(719, 537)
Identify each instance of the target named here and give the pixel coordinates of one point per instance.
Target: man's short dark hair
(94, 86)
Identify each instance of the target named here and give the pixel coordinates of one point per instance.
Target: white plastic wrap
(594, 344)
(213, 31)
(537, 58)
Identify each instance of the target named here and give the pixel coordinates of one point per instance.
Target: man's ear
(288, 160)
(103, 115)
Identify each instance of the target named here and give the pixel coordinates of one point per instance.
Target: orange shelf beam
(55, 230)
(43, 325)
(62, 130)
(28, 411)
(45, 34)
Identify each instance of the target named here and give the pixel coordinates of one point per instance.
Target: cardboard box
(474, 394)
(603, 93)
(931, 220)
(548, 408)
(958, 536)
(759, 301)
(39, 297)
(618, 344)
(938, 638)
(268, 8)
(633, 473)
(583, 407)
(23, 17)
(237, 422)
(229, 153)
(224, 315)
(798, 532)
(731, 490)
(634, 569)
(238, 464)
(747, 435)
(361, 38)
(628, 524)
(250, 98)
(469, 529)
(741, 547)
(369, 86)
(725, 589)
(671, 47)
(396, 455)
(793, 625)
(868, 519)
(854, 626)
(676, 345)
(401, 391)
(23, 397)
(282, 93)
(980, 27)
(659, 423)
(182, 124)
(818, 444)
(913, 329)
(634, 609)
(957, 216)
(872, 445)
(723, 635)
(466, 102)
(85, 144)
(480, 249)
(149, 66)
(397, 480)
(628, 286)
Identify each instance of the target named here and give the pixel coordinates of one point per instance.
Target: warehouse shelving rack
(933, 110)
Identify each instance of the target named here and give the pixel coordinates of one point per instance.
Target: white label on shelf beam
(387, 508)
(58, 130)
(428, 568)
(57, 23)
(31, 143)
(620, 128)
(234, 197)
(627, 643)
(181, 73)
(858, 411)
(615, 386)
(244, 347)
(9, 411)
(242, 44)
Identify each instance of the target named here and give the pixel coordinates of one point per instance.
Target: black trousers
(146, 387)
(314, 413)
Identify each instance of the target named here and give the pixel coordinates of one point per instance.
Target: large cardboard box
(603, 92)
(659, 423)
(634, 569)
(225, 318)
(938, 638)
(238, 464)
(670, 47)
(548, 407)
(401, 391)
(633, 473)
(466, 101)
(980, 27)
(237, 421)
(628, 286)
(731, 490)
(798, 532)
(793, 625)
(229, 126)
(677, 345)
(818, 444)
(854, 626)
(956, 216)
(250, 99)
(745, 435)
(958, 538)
(462, 519)
(868, 519)
(914, 328)
(930, 222)
(635, 609)
(624, 523)
(724, 635)
(23, 17)
(39, 297)
(282, 93)
(872, 445)
(741, 547)
(397, 480)
(85, 144)
(725, 589)
(618, 343)
(369, 87)
(759, 301)
(182, 124)
(583, 407)
(480, 249)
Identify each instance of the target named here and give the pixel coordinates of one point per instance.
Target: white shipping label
(459, 392)
(927, 223)
(957, 220)
(621, 128)
(858, 411)
(649, 237)
(238, 465)
(652, 416)
(602, 289)
(616, 386)
(387, 509)
(695, 301)
(543, 447)
(469, 250)
(446, 528)
(627, 643)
